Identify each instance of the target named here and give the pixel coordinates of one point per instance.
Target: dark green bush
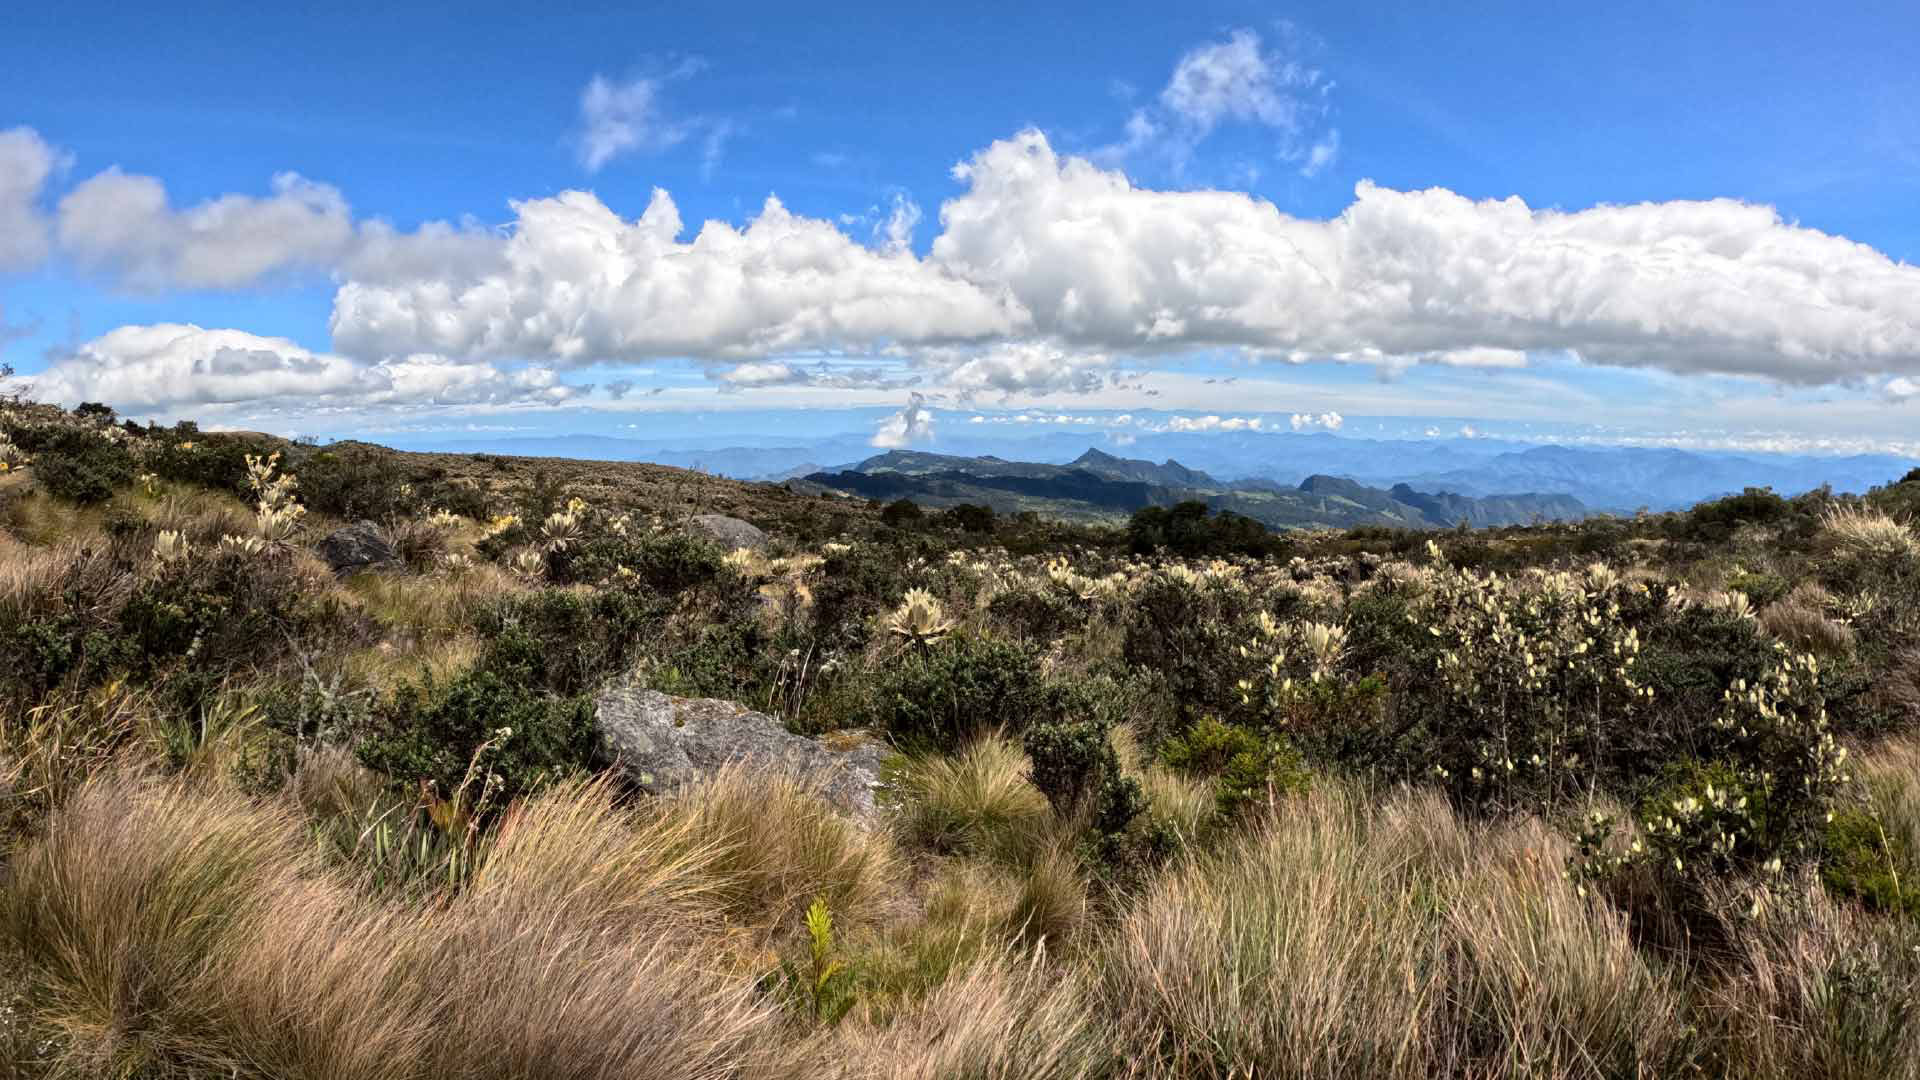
(78, 464)
(1190, 530)
(902, 514)
(938, 697)
(668, 562)
(354, 481)
(1038, 614)
(1713, 522)
(969, 517)
(568, 642)
(224, 612)
(434, 732)
(1190, 636)
(1864, 862)
(210, 461)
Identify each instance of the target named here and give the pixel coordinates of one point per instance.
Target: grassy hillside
(1629, 797)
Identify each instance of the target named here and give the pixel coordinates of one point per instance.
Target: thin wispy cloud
(632, 116)
(1240, 80)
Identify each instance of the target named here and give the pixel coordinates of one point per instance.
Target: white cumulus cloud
(26, 161)
(168, 366)
(912, 424)
(124, 224)
(1715, 285)
(1017, 367)
(577, 284)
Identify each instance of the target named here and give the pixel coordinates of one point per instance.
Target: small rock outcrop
(659, 742)
(729, 532)
(356, 547)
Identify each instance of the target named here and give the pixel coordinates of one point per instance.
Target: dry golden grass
(1891, 774)
(1552, 977)
(190, 928)
(1349, 939)
(1001, 1016)
(778, 845)
(30, 578)
(1822, 990)
(1870, 533)
(202, 516)
(43, 521)
(1800, 619)
(978, 801)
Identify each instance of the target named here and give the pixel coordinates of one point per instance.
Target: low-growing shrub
(488, 736)
(79, 465)
(939, 696)
(567, 641)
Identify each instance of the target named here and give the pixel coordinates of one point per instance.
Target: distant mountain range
(1611, 479)
(1098, 487)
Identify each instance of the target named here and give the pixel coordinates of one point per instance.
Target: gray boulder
(729, 532)
(659, 742)
(359, 546)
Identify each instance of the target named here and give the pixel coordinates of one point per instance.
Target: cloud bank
(1048, 272)
(166, 366)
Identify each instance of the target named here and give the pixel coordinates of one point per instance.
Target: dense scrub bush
(567, 641)
(1714, 522)
(355, 481)
(940, 696)
(224, 611)
(76, 463)
(1190, 530)
(1187, 633)
(217, 461)
(488, 733)
(666, 562)
(1865, 862)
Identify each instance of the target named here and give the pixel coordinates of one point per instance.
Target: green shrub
(354, 481)
(902, 514)
(1191, 530)
(939, 697)
(1250, 768)
(667, 562)
(566, 641)
(516, 737)
(210, 461)
(1036, 613)
(1865, 862)
(1188, 634)
(78, 464)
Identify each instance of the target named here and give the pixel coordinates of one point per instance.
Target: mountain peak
(1167, 474)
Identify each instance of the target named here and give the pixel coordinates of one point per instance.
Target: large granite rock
(659, 742)
(729, 532)
(356, 547)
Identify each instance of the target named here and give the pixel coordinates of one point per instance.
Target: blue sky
(1156, 199)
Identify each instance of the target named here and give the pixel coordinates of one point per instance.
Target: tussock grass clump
(1821, 990)
(778, 845)
(1804, 626)
(571, 852)
(177, 928)
(135, 883)
(1548, 981)
(30, 578)
(1001, 1016)
(1302, 950)
(978, 801)
(1343, 939)
(1864, 531)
